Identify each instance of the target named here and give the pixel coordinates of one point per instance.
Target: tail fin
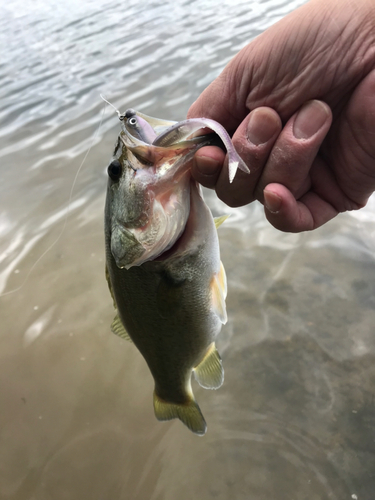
(189, 413)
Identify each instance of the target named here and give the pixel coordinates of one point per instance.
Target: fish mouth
(125, 248)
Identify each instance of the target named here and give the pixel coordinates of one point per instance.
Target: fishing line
(120, 115)
(67, 210)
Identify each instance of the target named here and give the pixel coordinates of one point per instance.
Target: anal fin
(210, 372)
(189, 413)
(118, 329)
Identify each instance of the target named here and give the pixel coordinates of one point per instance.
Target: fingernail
(207, 165)
(272, 201)
(261, 128)
(309, 120)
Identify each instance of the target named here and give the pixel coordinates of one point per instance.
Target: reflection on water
(295, 418)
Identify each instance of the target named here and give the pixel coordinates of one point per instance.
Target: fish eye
(132, 121)
(115, 170)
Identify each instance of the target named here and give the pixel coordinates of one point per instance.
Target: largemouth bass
(163, 261)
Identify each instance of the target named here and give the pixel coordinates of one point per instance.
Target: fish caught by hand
(163, 261)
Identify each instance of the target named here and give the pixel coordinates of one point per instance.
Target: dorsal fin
(210, 373)
(118, 328)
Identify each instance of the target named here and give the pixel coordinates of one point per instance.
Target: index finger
(253, 141)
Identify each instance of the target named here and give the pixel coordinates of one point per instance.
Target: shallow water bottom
(294, 419)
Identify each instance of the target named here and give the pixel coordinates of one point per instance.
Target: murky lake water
(295, 419)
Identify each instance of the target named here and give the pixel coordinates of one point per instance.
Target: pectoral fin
(219, 293)
(118, 329)
(189, 413)
(210, 373)
(219, 220)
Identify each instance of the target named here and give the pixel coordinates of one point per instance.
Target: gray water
(295, 419)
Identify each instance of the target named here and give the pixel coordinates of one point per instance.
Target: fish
(163, 265)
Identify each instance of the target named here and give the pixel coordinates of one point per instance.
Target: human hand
(300, 102)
